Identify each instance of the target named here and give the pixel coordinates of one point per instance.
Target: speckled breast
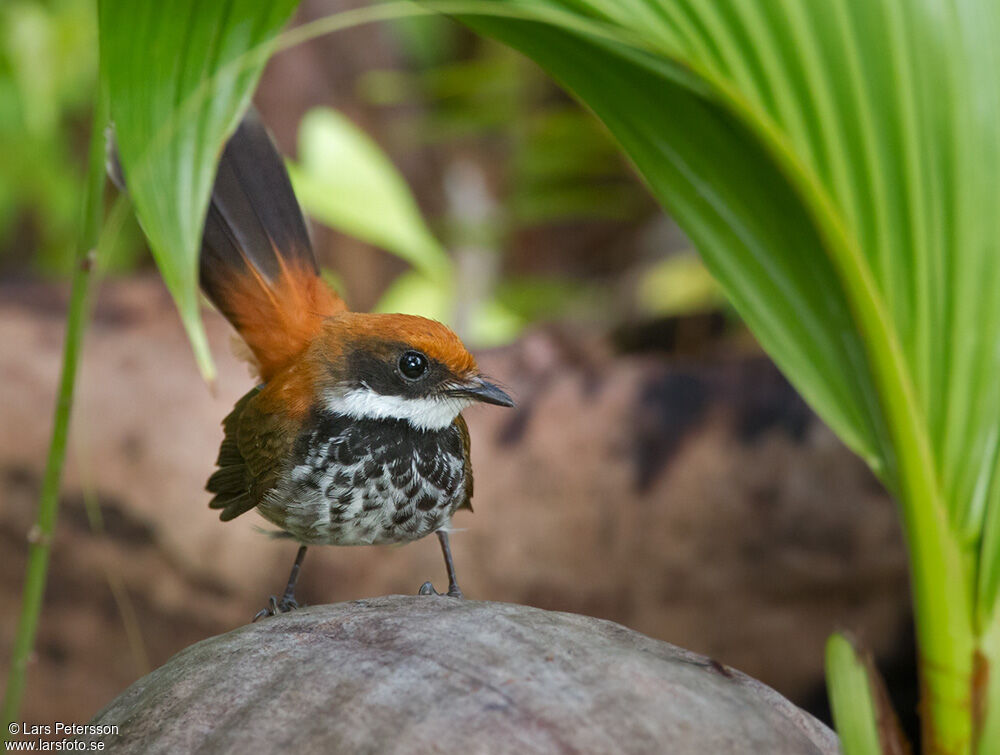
(369, 481)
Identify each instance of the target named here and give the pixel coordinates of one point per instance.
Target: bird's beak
(480, 390)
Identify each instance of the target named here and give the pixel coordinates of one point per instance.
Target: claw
(428, 589)
(288, 602)
(274, 607)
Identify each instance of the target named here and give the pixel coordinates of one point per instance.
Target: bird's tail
(256, 264)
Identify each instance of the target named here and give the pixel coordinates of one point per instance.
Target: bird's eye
(413, 365)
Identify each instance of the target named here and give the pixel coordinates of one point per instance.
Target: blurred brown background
(658, 471)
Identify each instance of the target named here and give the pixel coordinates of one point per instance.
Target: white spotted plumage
(371, 481)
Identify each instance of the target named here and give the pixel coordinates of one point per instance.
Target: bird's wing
(266, 439)
(230, 480)
(463, 430)
(256, 445)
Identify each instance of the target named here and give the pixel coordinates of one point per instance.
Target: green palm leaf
(834, 162)
(179, 75)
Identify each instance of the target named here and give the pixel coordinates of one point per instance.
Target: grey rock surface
(438, 675)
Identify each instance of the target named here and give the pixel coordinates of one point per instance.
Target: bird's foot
(275, 606)
(428, 589)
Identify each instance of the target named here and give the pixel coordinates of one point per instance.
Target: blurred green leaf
(574, 199)
(28, 41)
(415, 293)
(344, 180)
(484, 95)
(426, 40)
(48, 69)
(534, 298)
(386, 87)
(566, 166)
(564, 141)
(179, 76)
(851, 698)
(490, 76)
(480, 79)
(492, 324)
(680, 284)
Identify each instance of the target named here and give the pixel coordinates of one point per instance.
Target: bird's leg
(287, 602)
(453, 589)
(288, 599)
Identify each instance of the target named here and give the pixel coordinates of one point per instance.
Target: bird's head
(377, 366)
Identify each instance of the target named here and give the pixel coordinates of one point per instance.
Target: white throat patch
(422, 413)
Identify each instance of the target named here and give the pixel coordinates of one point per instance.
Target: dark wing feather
(265, 441)
(255, 447)
(230, 482)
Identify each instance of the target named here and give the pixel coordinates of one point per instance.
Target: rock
(421, 675)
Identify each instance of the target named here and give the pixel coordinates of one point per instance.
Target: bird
(354, 434)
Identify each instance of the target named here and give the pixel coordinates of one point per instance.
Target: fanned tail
(257, 264)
